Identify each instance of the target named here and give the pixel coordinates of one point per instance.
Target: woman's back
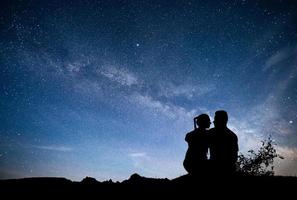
(196, 156)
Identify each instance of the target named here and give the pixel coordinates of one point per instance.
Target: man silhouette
(223, 145)
(196, 157)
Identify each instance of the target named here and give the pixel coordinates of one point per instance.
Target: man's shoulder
(232, 134)
(214, 131)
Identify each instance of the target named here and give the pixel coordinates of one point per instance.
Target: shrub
(259, 163)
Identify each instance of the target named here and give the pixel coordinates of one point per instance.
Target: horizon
(107, 89)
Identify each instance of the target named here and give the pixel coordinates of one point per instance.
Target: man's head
(203, 121)
(220, 119)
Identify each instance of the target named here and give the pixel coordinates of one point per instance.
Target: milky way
(110, 88)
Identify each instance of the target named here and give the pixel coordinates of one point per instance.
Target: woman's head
(203, 121)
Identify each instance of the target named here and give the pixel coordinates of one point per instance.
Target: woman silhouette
(196, 157)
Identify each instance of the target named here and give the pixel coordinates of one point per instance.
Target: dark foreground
(142, 188)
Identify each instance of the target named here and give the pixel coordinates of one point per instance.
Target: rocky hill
(143, 187)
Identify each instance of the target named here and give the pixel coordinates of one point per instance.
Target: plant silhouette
(261, 162)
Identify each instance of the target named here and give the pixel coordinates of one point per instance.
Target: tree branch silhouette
(259, 163)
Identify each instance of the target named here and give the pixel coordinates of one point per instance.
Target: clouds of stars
(110, 88)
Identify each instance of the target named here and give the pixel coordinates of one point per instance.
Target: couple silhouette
(220, 142)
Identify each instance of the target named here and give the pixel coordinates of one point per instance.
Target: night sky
(110, 88)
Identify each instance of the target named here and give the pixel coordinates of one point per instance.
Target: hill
(138, 186)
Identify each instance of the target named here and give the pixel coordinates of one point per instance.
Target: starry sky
(110, 88)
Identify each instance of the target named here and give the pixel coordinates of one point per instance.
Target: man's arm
(235, 149)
